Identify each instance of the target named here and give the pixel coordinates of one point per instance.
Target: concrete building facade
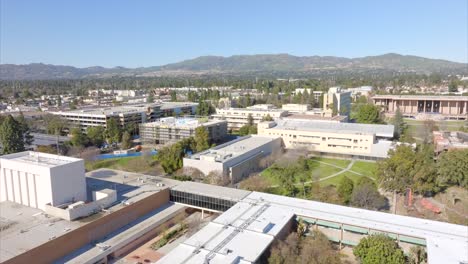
(35, 179)
(126, 114)
(236, 159)
(332, 138)
(452, 107)
(337, 100)
(170, 130)
(238, 117)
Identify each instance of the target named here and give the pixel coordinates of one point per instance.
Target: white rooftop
(170, 105)
(240, 235)
(235, 148)
(182, 122)
(113, 110)
(39, 159)
(211, 190)
(447, 243)
(335, 127)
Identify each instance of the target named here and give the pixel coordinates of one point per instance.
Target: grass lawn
(336, 180)
(365, 168)
(336, 162)
(130, 164)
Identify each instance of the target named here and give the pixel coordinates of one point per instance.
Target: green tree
(417, 255)
(79, 139)
(252, 130)
(55, 125)
(379, 248)
(96, 135)
(453, 86)
(425, 171)
(368, 114)
(126, 140)
(28, 138)
(244, 130)
(171, 157)
(396, 171)
(366, 195)
(201, 138)
(11, 136)
(345, 189)
(399, 124)
(250, 120)
(150, 97)
(113, 131)
(303, 173)
(267, 118)
(452, 168)
(173, 96)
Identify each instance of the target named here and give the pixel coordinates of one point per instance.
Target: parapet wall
(107, 198)
(63, 245)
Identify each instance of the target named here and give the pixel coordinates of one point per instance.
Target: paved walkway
(340, 172)
(343, 170)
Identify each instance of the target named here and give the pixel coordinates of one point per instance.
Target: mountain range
(284, 64)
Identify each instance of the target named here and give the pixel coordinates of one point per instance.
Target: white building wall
(35, 185)
(68, 183)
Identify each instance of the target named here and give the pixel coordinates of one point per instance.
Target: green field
(319, 170)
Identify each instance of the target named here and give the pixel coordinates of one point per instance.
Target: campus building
(449, 140)
(171, 129)
(238, 117)
(251, 221)
(337, 101)
(178, 108)
(451, 107)
(236, 159)
(248, 225)
(126, 114)
(362, 141)
(36, 179)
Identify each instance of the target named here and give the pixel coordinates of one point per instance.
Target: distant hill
(244, 64)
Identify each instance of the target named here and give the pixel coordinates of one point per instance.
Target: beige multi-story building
(126, 114)
(236, 159)
(170, 130)
(238, 117)
(337, 100)
(296, 108)
(361, 141)
(452, 107)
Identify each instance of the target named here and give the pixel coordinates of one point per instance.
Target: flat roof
(334, 127)
(170, 105)
(313, 116)
(235, 148)
(422, 97)
(111, 110)
(240, 235)
(120, 238)
(39, 159)
(23, 228)
(129, 186)
(447, 243)
(252, 110)
(182, 122)
(211, 190)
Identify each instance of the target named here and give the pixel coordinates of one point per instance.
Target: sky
(145, 33)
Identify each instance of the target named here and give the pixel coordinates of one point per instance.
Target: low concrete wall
(105, 199)
(63, 245)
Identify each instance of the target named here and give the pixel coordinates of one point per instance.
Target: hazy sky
(147, 33)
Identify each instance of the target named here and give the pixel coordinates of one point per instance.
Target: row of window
(201, 200)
